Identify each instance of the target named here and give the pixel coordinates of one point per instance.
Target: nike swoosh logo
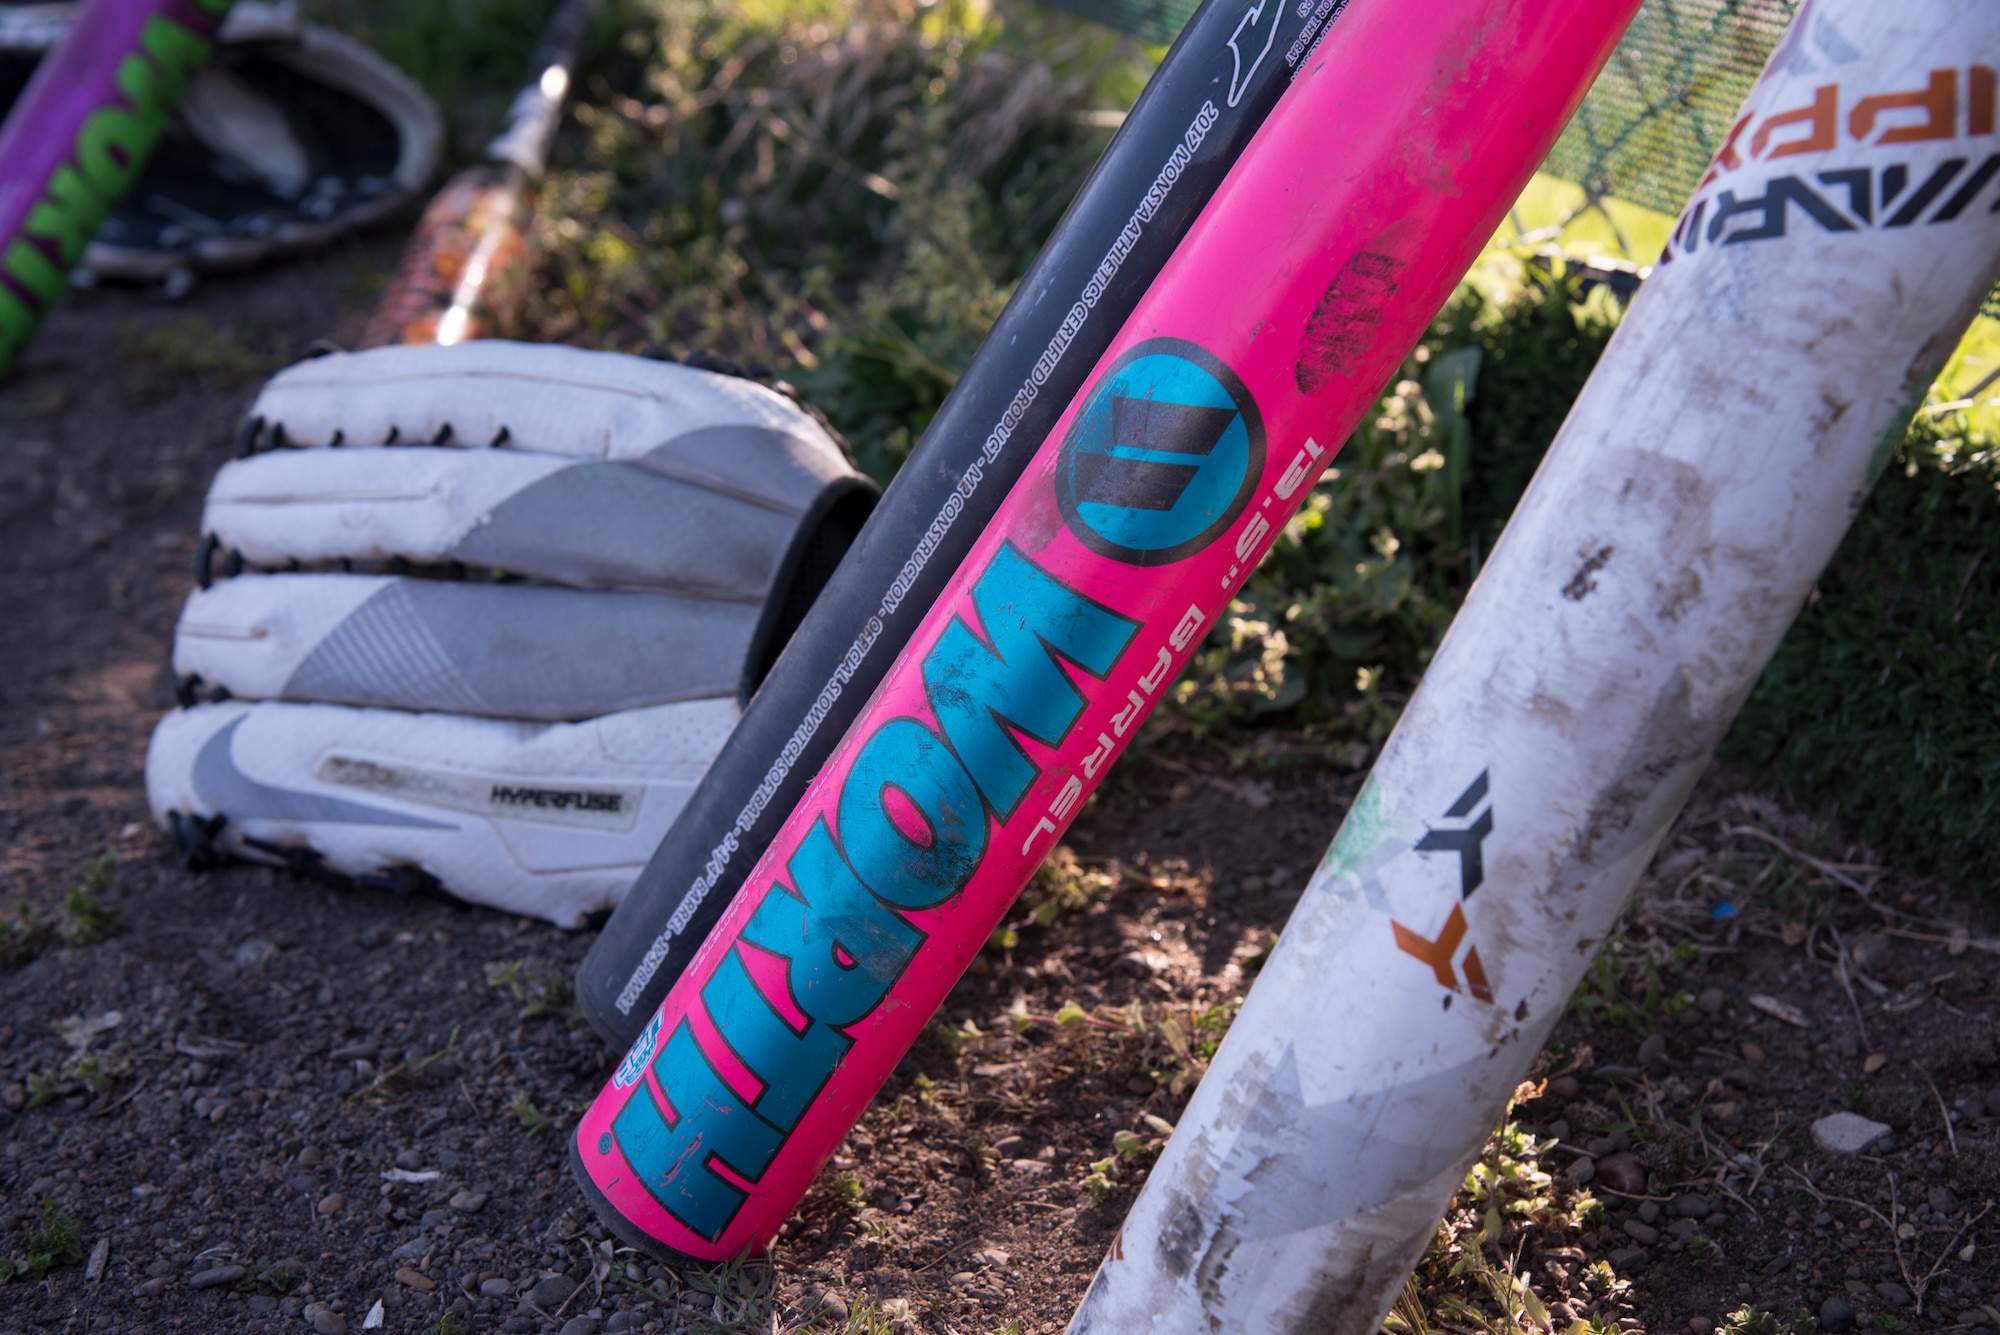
(227, 789)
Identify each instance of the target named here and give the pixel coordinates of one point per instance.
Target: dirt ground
(268, 1105)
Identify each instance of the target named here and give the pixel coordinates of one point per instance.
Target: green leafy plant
(1746, 1320)
(848, 1193)
(540, 995)
(55, 1240)
(1633, 990)
(86, 918)
(1065, 883)
(533, 1120)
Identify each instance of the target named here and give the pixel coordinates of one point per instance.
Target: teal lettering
(711, 1125)
(793, 1065)
(978, 692)
(831, 914)
(912, 873)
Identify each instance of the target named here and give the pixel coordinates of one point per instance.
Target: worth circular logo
(1165, 453)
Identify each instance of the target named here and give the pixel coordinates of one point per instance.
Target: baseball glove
(479, 616)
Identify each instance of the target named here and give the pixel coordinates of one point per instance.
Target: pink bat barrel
(1340, 231)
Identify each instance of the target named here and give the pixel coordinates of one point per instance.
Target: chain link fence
(1657, 114)
(1666, 100)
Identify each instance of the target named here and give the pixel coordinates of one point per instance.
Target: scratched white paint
(1700, 484)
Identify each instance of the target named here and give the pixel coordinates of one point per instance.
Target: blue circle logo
(1166, 452)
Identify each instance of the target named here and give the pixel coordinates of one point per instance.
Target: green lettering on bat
(67, 216)
(16, 323)
(29, 265)
(112, 147)
(155, 87)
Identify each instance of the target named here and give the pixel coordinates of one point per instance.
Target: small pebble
(1643, 1234)
(1847, 1133)
(1711, 1000)
(1622, 1173)
(496, 1287)
(1836, 1314)
(222, 1274)
(1649, 1211)
(469, 1202)
(332, 1205)
(324, 1320)
(962, 1278)
(415, 1279)
(1700, 1325)
(410, 1159)
(825, 1303)
(1893, 1294)
(580, 1325)
(1627, 1258)
(548, 1294)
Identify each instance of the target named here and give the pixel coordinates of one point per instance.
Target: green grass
(1882, 707)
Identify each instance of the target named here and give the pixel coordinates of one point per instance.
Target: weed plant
(54, 1239)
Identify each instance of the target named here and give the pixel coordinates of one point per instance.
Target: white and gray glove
(480, 616)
